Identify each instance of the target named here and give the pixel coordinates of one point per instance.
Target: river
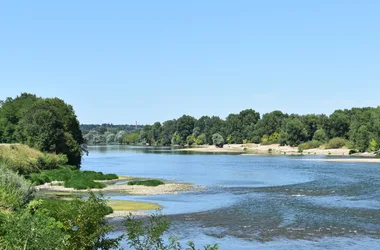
(257, 202)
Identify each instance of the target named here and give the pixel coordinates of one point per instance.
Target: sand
(167, 188)
(274, 149)
(369, 160)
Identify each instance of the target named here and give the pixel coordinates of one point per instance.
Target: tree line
(356, 128)
(47, 124)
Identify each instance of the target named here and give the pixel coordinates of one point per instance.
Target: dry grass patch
(124, 205)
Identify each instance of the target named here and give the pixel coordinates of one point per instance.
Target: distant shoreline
(276, 149)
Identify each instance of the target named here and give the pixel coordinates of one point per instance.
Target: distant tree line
(102, 128)
(47, 124)
(356, 128)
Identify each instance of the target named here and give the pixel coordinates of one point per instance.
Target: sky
(125, 61)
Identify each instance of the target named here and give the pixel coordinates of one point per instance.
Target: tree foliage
(248, 127)
(49, 125)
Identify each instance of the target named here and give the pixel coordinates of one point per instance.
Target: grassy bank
(26, 160)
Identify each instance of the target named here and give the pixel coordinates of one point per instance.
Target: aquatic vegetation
(72, 178)
(150, 183)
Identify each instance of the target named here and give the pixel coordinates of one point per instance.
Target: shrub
(78, 182)
(15, 191)
(336, 142)
(83, 220)
(49, 161)
(149, 235)
(352, 151)
(270, 151)
(72, 178)
(26, 230)
(309, 145)
(150, 183)
(265, 140)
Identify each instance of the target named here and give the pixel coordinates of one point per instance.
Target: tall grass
(26, 160)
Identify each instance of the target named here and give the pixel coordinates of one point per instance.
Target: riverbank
(348, 159)
(273, 149)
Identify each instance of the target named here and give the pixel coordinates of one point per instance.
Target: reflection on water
(258, 202)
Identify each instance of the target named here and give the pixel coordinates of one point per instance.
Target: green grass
(72, 178)
(150, 183)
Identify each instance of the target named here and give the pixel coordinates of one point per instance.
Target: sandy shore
(122, 214)
(274, 149)
(167, 188)
(369, 160)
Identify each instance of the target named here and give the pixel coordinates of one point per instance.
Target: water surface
(260, 202)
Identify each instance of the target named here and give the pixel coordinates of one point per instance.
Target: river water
(257, 202)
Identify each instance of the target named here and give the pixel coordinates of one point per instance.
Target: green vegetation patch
(15, 191)
(335, 143)
(72, 178)
(150, 183)
(309, 145)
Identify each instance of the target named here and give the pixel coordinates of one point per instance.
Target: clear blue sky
(122, 61)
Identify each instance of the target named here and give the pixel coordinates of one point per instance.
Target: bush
(15, 191)
(150, 183)
(80, 182)
(309, 145)
(49, 161)
(24, 230)
(352, 151)
(73, 178)
(83, 220)
(336, 142)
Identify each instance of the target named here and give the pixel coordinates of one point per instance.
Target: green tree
(190, 140)
(185, 126)
(218, 140)
(168, 129)
(201, 139)
(362, 139)
(176, 139)
(295, 132)
(373, 145)
(319, 135)
(339, 124)
(269, 124)
(41, 128)
(131, 138)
